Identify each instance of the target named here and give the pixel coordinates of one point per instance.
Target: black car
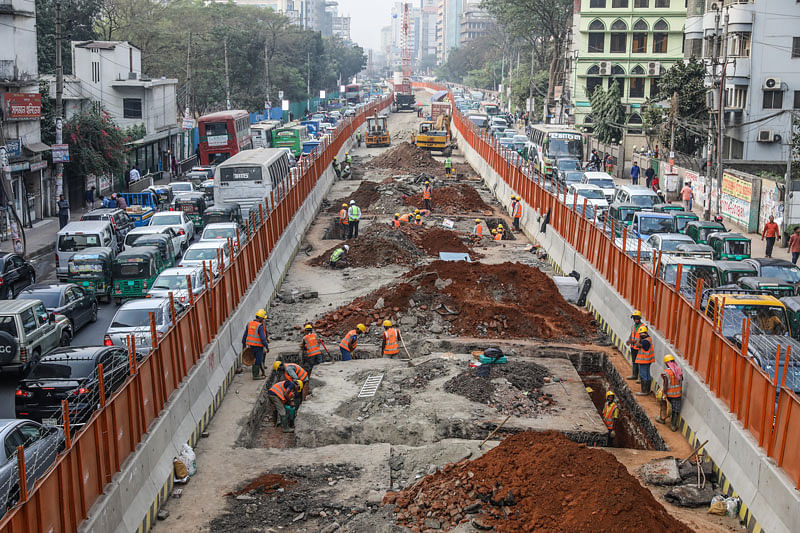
(68, 299)
(15, 275)
(768, 267)
(70, 374)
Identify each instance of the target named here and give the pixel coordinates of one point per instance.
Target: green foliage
(78, 18)
(608, 113)
(48, 122)
(477, 63)
(96, 144)
(135, 132)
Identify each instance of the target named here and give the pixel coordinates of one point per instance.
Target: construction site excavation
(489, 417)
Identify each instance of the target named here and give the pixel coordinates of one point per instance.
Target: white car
(173, 280)
(602, 180)
(178, 221)
(208, 252)
(181, 186)
(592, 193)
(133, 318)
(169, 231)
(221, 231)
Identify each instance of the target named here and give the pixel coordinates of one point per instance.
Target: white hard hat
(346, 247)
(352, 202)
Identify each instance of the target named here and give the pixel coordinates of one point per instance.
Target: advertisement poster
(735, 200)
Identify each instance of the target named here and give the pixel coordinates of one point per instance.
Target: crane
(403, 94)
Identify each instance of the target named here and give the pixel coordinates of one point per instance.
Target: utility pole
(308, 83)
(721, 107)
(710, 148)
(787, 193)
(673, 110)
(59, 102)
(227, 77)
(189, 75)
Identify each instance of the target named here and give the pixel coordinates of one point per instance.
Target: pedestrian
(390, 346)
(687, 195)
(120, 200)
(311, 348)
(134, 175)
(338, 258)
(112, 202)
(353, 216)
(517, 212)
(89, 197)
(644, 358)
(63, 211)
(656, 152)
(769, 234)
(635, 173)
(610, 415)
(594, 161)
(103, 201)
(633, 341)
(280, 395)
(255, 336)
(426, 195)
(343, 221)
(173, 163)
(608, 161)
(649, 175)
(350, 342)
(672, 378)
(794, 244)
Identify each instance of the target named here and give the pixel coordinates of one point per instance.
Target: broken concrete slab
(691, 495)
(661, 472)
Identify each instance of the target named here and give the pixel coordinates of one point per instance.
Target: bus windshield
(565, 145)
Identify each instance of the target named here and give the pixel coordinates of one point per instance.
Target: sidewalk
(41, 238)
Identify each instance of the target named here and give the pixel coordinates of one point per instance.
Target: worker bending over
(255, 336)
(426, 195)
(350, 342)
(343, 219)
(281, 394)
(418, 220)
(396, 221)
(610, 415)
(391, 340)
(339, 257)
(644, 358)
(311, 346)
(633, 340)
(292, 372)
(672, 378)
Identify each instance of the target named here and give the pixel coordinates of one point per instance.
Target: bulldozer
(435, 135)
(377, 131)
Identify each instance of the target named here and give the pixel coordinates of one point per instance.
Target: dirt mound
(378, 245)
(459, 198)
(366, 195)
(535, 482)
(407, 158)
(507, 300)
(434, 240)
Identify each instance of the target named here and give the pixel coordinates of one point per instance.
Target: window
(653, 87)
(773, 100)
(659, 42)
(593, 83)
(28, 320)
(619, 3)
(641, 3)
(131, 108)
(618, 37)
(597, 3)
(636, 88)
(597, 37)
(796, 104)
(637, 71)
(639, 38)
(739, 44)
(96, 71)
(662, 3)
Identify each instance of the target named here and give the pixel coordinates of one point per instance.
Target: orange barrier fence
(760, 401)
(62, 498)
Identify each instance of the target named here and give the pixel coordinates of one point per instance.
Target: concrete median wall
(132, 499)
(770, 501)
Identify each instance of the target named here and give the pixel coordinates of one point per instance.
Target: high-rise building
(428, 28)
(448, 22)
(475, 23)
(341, 27)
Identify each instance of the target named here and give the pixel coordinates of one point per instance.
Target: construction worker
(343, 219)
(338, 257)
(391, 340)
(644, 358)
(282, 394)
(448, 167)
(358, 138)
(407, 217)
(632, 341)
(348, 158)
(353, 216)
(516, 212)
(311, 348)
(336, 168)
(426, 195)
(496, 236)
(292, 372)
(478, 230)
(610, 415)
(255, 336)
(396, 221)
(513, 204)
(350, 341)
(501, 231)
(672, 378)
(418, 220)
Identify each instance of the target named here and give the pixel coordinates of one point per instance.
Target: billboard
(22, 106)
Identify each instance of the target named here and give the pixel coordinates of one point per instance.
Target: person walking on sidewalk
(89, 197)
(353, 216)
(649, 174)
(63, 211)
(769, 234)
(687, 195)
(794, 244)
(635, 170)
(255, 336)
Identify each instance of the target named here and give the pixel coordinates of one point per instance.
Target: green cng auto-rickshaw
(729, 245)
(134, 271)
(91, 269)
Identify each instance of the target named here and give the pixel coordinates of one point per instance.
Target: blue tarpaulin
(438, 95)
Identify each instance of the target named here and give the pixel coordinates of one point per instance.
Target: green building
(630, 42)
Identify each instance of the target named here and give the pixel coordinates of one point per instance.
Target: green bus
(291, 137)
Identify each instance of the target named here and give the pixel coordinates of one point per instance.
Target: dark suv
(15, 275)
(121, 223)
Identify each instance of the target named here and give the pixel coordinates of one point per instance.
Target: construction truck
(435, 136)
(377, 131)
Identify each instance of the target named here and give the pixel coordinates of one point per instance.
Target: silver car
(133, 318)
(174, 280)
(41, 444)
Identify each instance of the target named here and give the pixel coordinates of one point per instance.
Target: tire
(66, 338)
(93, 314)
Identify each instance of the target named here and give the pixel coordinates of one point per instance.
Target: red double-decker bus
(222, 135)
(352, 93)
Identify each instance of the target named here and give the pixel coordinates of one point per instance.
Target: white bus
(261, 132)
(554, 141)
(248, 177)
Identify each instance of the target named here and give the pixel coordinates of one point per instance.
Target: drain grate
(370, 386)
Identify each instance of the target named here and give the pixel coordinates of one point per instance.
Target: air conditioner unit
(132, 75)
(772, 84)
(766, 136)
(654, 68)
(605, 68)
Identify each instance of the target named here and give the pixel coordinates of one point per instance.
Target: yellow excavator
(377, 131)
(435, 135)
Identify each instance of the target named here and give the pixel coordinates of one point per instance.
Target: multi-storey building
(475, 23)
(448, 26)
(628, 42)
(341, 27)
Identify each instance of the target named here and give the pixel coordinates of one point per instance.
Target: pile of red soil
(434, 240)
(459, 198)
(507, 300)
(378, 245)
(535, 482)
(265, 483)
(406, 158)
(366, 195)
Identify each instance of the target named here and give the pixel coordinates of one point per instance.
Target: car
(33, 331)
(70, 374)
(133, 318)
(173, 280)
(768, 267)
(668, 242)
(68, 299)
(222, 230)
(692, 270)
(592, 193)
(178, 221)
(646, 223)
(290, 154)
(350, 112)
(637, 195)
(207, 252)
(41, 445)
(169, 231)
(15, 275)
(179, 187)
(121, 223)
(602, 180)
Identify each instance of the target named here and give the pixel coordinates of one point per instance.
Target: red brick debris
(535, 482)
(448, 200)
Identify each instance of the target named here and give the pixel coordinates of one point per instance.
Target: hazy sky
(367, 19)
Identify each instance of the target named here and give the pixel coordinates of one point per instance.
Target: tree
(608, 113)
(77, 24)
(96, 145)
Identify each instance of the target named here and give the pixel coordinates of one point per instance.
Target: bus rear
(491, 108)
(249, 177)
(291, 137)
(222, 135)
(352, 93)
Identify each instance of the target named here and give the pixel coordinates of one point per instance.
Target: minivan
(77, 236)
(637, 195)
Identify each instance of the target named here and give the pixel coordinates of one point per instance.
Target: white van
(76, 236)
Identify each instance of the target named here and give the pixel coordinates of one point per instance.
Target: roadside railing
(61, 499)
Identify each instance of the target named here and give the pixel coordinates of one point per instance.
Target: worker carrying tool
(339, 257)
(632, 341)
(448, 167)
(610, 415)
(426, 195)
(672, 378)
(350, 342)
(396, 221)
(418, 220)
(343, 220)
(353, 216)
(292, 372)
(281, 394)
(311, 346)
(496, 236)
(478, 230)
(255, 336)
(517, 212)
(391, 340)
(644, 358)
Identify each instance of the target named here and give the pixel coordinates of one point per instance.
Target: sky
(367, 17)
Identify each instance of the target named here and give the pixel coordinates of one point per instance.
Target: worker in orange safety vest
(311, 348)
(633, 340)
(426, 195)
(396, 221)
(672, 378)
(350, 342)
(516, 212)
(255, 336)
(280, 395)
(391, 340)
(644, 358)
(343, 221)
(478, 228)
(610, 415)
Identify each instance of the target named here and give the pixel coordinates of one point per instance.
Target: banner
(22, 106)
(736, 197)
(60, 153)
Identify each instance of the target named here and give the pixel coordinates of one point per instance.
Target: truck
(439, 108)
(377, 131)
(403, 94)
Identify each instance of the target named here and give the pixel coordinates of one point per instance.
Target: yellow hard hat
(499, 226)
(642, 330)
(609, 393)
(344, 205)
(362, 328)
(261, 314)
(397, 214)
(669, 358)
(477, 221)
(418, 217)
(299, 385)
(416, 211)
(387, 323)
(308, 326)
(494, 231)
(427, 183)
(519, 198)
(637, 313)
(276, 365)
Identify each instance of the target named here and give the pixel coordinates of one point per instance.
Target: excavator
(435, 135)
(377, 131)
